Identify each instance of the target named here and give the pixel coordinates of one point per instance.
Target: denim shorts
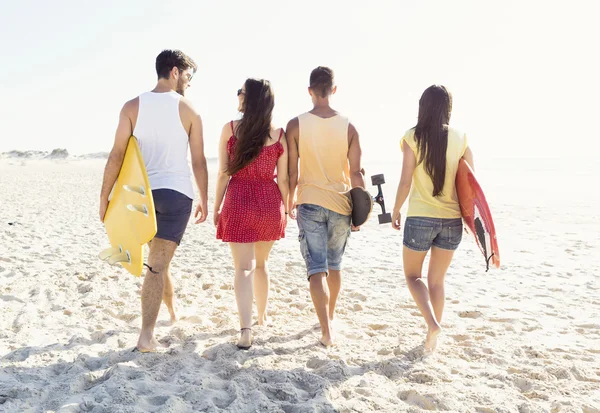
(323, 236)
(420, 233)
(173, 210)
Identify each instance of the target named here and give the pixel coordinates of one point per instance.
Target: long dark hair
(431, 133)
(254, 128)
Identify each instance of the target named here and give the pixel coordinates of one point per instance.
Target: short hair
(168, 59)
(321, 81)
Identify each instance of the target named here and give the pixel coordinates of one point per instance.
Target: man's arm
(199, 166)
(354, 154)
(292, 133)
(115, 159)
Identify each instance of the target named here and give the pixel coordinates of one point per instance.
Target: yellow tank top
(421, 202)
(324, 176)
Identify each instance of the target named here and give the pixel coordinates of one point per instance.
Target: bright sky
(524, 73)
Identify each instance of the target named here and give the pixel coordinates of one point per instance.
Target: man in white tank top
(165, 125)
(328, 148)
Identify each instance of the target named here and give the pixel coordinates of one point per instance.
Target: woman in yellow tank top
(431, 152)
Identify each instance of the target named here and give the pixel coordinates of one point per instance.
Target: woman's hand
(396, 220)
(292, 210)
(216, 216)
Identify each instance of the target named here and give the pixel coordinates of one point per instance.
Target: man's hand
(202, 210)
(396, 220)
(103, 208)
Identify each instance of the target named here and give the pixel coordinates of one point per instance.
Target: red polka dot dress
(253, 210)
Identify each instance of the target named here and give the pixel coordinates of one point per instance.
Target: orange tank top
(324, 176)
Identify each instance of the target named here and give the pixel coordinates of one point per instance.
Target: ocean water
(546, 211)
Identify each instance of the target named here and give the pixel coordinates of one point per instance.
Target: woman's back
(263, 166)
(422, 203)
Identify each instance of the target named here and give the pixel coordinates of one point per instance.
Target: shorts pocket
(418, 237)
(303, 245)
(309, 212)
(455, 235)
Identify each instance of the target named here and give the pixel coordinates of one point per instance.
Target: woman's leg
(243, 260)
(261, 279)
(413, 266)
(438, 266)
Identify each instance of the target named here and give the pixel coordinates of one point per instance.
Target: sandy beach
(525, 338)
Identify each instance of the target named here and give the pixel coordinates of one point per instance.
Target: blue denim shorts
(323, 236)
(420, 233)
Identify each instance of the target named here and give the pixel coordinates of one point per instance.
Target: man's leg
(173, 210)
(312, 224)
(338, 232)
(159, 259)
(168, 295)
(334, 283)
(319, 293)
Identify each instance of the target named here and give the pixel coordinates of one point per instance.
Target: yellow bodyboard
(130, 219)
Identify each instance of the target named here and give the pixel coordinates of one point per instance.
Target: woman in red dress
(249, 208)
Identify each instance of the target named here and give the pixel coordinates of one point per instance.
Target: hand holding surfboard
(476, 213)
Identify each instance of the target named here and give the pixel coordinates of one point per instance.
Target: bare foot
(148, 346)
(431, 339)
(173, 319)
(245, 341)
(328, 338)
(327, 341)
(263, 320)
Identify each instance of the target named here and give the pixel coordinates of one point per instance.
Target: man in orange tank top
(327, 147)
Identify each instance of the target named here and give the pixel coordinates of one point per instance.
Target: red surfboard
(476, 214)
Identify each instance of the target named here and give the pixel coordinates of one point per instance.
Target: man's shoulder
(132, 104)
(186, 105)
(292, 125)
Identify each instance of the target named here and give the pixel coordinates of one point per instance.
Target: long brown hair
(254, 128)
(431, 133)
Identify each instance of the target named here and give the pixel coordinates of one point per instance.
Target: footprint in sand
(461, 337)
(378, 327)
(470, 314)
(11, 298)
(358, 296)
(425, 401)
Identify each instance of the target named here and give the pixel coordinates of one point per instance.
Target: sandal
(244, 347)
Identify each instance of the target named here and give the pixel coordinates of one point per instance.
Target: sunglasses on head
(240, 92)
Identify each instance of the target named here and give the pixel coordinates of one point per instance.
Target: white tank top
(164, 142)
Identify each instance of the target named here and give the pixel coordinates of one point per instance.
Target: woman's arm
(222, 176)
(409, 163)
(282, 174)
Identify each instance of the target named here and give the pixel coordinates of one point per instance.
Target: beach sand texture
(523, 339)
